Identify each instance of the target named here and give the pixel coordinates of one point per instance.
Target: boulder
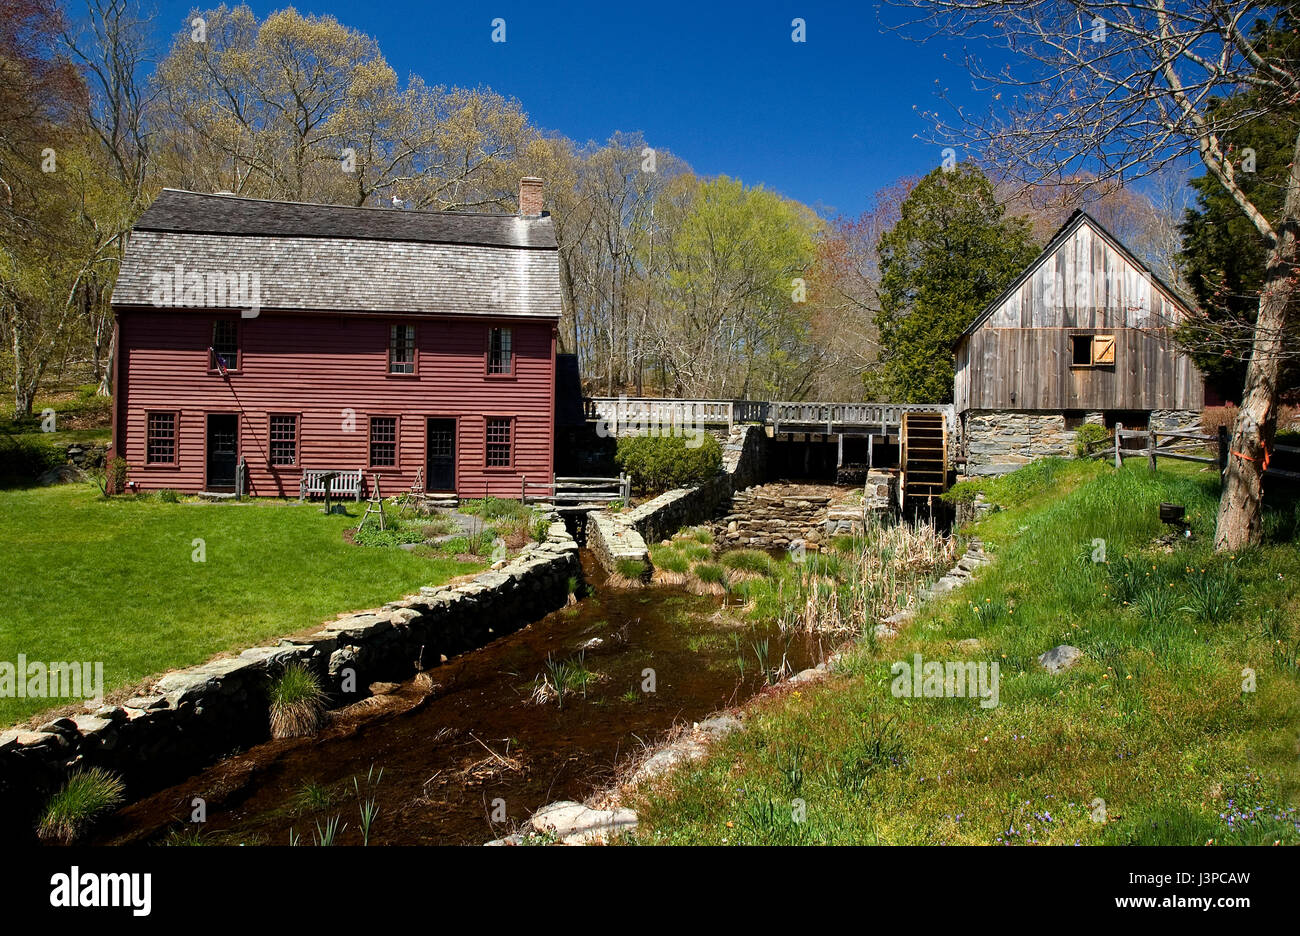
(1060, 658)
(576, 824)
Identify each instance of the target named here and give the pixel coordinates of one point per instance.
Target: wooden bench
(344, 482)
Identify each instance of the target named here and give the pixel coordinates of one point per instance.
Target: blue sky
(722, 85)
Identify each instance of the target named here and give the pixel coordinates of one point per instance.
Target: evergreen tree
(951, 252)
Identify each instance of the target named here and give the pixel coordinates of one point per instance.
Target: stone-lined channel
(465, 734)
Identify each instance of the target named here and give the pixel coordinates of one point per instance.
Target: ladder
(924, 455)
(374, 505)
(414, 495)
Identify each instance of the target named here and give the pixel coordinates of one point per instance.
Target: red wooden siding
(332, 371)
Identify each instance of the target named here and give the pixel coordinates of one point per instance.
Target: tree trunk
(1240, 519)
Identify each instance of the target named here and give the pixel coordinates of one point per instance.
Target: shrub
(437, 525)
(84, 798)
(168, 496)
(1088, 432)
(392, 535)
(297, 703)
(541, 529)
(117, 474)
(658, 463)
(494, 508)
(24, 458)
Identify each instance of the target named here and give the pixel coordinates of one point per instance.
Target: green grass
(1152, 738)
(749, 560)
(88, 579)
(86, 796)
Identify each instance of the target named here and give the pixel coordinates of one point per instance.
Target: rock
(719, 726)
(667, 759)
(1060, 658)
(807, 676)
(146, 703)
(513, 839)
(594, 643)
(969, 645)
(576, 824)
(883, 632)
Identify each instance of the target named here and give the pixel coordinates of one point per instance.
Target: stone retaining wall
(743, 462)
(194, 717)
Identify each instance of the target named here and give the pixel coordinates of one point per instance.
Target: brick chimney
(530, 197)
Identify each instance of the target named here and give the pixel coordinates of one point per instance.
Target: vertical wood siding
(1019, 357)
(332, 372)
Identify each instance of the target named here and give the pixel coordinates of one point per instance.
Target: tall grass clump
(848, 592)
(86, 797)
(297, 703)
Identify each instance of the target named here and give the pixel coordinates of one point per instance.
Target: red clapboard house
(296, 337)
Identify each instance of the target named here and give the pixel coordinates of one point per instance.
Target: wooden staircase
(924, 456)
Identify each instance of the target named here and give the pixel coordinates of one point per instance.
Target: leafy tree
(735, 323)
(951, 252)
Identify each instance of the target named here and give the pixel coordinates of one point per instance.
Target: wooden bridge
(921, 430)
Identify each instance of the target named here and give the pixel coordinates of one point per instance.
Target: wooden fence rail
(1180, 446)
(577, 490)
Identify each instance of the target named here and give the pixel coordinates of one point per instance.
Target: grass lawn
(88, 579)
(1152, 738)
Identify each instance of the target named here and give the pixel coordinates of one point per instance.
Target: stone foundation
(998, 441)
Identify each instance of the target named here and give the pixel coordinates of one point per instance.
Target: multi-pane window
(284, 439)
(498, 443)
(225, 344)
(160, 444)
(500, 353)
(383, 441)
(401, 349)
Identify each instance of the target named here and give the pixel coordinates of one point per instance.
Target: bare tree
(1122, 89)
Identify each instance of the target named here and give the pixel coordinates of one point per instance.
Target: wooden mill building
(258, 341)
(1083, 335)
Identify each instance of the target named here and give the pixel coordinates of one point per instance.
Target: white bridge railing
(622, 413)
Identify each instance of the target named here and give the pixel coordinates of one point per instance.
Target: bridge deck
(782, 416)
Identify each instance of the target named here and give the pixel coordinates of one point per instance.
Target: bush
(117, 474)
(1088, 432)
(393, 535)
(25, 458)
(658, 463)
(86, 796)
(494, 508)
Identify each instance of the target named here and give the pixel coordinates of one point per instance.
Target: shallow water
(449, 755)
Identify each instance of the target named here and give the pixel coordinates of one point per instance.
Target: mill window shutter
(1103, 349)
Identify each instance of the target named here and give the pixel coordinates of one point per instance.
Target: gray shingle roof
(325, 258)
(197, 213)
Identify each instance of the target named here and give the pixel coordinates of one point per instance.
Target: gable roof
(184, 212)
(1078, 218)
(328, 258)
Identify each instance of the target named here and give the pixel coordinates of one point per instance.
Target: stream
(464, 741)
